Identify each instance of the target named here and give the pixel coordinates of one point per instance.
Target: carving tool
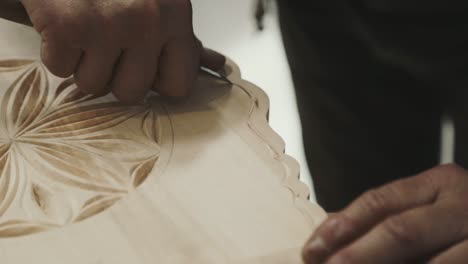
(217, 75)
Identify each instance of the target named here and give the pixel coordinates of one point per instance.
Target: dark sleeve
(14, 11)
(418, 6)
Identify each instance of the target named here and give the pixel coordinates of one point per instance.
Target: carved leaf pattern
(14, 64)
(6, 188)
(60, 147)
(15, 228)
(96, 205)
(23, 101)
(149, 126)
(143, 170)
(67, 94)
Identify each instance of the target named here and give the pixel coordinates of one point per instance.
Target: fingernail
(317, 244)
(334, 229)
(316, 250)
(337, 260)
(331, 228)
(324, 235)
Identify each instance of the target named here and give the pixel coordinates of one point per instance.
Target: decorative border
(258, 122)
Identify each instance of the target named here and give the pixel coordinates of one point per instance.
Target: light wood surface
(86, 179)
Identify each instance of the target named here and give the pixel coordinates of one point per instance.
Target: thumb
(212, 60)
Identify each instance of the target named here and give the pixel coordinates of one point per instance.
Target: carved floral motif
(64, 155)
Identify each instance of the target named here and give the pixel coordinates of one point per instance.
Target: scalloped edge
(258, 122)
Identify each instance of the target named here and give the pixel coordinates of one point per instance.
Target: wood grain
(54, 140)
(85, 179)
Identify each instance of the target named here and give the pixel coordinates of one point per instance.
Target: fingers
(178, 68)
(94, 73)
(59, 58)
(212, 60)
(367, 211)
(135, 74)
(393, 198)
(136, 70)
(333, 234)
(404, 237)
(457, 254)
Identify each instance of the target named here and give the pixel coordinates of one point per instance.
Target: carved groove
(66, 147)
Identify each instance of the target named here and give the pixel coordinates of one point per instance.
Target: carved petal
(74, 167)
(70, 142)
(24, 100)
(8, 181)
(142, 171)
(96, 205)
(117, 147)
(149, 126)
(80, 120)
(15, 228)
(67, 94)
(14, 64)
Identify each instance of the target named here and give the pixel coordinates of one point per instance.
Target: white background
(229, 26)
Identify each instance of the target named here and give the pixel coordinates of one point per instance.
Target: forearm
(14, 11)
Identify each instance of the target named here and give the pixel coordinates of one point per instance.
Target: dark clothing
(372, 81)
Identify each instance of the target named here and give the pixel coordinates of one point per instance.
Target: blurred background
(230, 27)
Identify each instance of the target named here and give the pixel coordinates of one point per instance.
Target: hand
(126, 47)
(423, 218)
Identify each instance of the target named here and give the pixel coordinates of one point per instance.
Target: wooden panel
(85, 179)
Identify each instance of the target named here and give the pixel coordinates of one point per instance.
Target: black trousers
(371, 98)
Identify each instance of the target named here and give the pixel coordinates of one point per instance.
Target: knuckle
(146, 11)
(69, 31)
(449, 169)
(137, 23)
(451, 166)
(375, 200)
(42, 19)
(399, 230)
(447, 174)
(73, 29)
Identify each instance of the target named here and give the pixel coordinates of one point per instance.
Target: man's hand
(123, 46)
(419, 219)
